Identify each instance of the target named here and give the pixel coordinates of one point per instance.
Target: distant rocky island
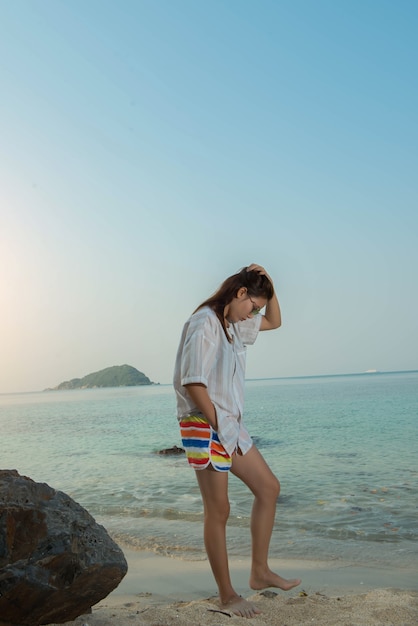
(116, 376)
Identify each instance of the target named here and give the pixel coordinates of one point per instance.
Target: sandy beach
(160, 591)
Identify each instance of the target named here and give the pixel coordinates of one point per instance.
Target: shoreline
(163, 590)
(169, 579)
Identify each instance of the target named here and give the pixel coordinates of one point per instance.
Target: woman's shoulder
(205, 313)
(204, 317)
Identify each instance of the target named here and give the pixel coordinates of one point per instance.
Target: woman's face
(244, 306)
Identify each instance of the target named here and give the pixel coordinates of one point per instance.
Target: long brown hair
(257, 285)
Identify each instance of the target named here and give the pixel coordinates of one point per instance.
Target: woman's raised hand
(254, 267)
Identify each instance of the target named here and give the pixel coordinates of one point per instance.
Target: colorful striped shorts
(202, 445)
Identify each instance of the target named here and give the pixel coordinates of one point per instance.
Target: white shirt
(206, 356)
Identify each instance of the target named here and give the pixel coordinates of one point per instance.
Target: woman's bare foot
(267, 578)
(241, 607)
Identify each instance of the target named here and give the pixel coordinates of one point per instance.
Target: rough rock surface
(56, 562)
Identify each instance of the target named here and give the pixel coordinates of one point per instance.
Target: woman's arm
(200, 397)
(272, 317)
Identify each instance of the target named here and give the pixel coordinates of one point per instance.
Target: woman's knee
(270, 489)
(217, 513)
(277, 487)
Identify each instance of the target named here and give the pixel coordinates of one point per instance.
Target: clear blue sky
(150, 148)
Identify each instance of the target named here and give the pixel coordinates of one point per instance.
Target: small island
(116, 376)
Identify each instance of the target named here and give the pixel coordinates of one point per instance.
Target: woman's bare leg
(252, 469)
(214, 489)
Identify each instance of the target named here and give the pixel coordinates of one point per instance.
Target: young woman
(209, 383)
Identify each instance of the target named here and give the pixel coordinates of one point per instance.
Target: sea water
(344, 448)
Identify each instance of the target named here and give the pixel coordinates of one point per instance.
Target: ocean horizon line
(296, 377)
(364, 373)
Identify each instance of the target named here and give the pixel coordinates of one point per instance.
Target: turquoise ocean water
(345, 449)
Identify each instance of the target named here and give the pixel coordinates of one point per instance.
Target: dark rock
(56, 562)
(173, 450)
